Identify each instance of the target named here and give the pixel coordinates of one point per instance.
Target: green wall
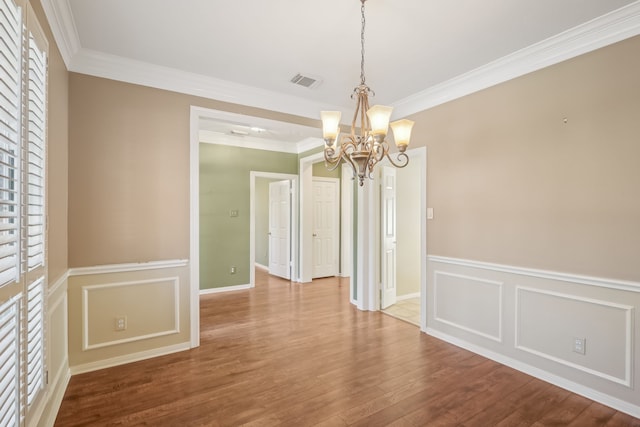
(320, 170)
(224, 187)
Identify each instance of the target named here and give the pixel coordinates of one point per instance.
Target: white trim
(174, 281)
(100, 64)
(626, 381)
(260, 267)
(346, 224)
(123, 268)
(225, 289)
(209, 137)
(58, 284)
(309, 144)
(407, 296)
(500, 286)
(305, 172)
(194, 223)
(541, 274)
(59, 387)
(63, 27)
(607, 29)
(587, 392)
(604, 30)
(129, 358)
(252, 219)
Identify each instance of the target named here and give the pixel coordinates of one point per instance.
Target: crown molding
(610, 28)
(309, 144)
(607, 29)
(209, 137)
(114, 67)
(63, 27)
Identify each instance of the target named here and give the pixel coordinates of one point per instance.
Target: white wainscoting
(57, 355)
(99, 302)
(472, 304)
(528, 319)
(609, 351)
(154, 298)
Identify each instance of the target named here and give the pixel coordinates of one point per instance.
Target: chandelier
(366, 145)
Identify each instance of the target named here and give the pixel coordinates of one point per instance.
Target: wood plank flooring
(286, 354)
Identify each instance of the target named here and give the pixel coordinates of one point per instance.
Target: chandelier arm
(402, 158)
(330, 158)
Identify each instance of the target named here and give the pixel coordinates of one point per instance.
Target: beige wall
(129, 170)
(408, 260)
(511, 183)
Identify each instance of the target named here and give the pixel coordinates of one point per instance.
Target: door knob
(315, 235)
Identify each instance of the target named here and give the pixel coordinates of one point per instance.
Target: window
(23, 89)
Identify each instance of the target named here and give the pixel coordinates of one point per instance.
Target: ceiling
(418, 53)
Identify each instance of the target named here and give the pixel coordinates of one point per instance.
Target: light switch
(429, 213)
(233, 213)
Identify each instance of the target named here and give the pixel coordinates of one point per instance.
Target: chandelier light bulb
(402, 133)
(330, 124)
(379, 116)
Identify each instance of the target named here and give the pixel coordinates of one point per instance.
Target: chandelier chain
(362, 78)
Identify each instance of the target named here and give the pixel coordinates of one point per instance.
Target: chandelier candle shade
(366, 145)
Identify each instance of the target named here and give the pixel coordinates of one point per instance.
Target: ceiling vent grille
(305, 81)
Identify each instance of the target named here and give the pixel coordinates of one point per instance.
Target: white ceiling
(418, 53)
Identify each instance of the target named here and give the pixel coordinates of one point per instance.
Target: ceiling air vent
(305, 81)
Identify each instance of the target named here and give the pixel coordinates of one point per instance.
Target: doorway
(401, 230)
(326, 227)
(260, 223)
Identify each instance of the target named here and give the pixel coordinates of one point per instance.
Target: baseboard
(261, 267)
(224, 289)
(541, 374)
(129, 358)
(408, 296)
(54, 400)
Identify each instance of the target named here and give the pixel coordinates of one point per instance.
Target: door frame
(418, 155)
(306, 216)
(337, 219)
(252, 219)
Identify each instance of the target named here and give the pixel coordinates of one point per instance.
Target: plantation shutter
(34, 209)
(10, 138)
(23, 281)
(36, 154)
(9, 363)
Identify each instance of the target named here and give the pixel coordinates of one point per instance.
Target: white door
(280, 229)
(325, 227)
(388, 222)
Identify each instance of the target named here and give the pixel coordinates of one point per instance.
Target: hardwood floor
(286, 354)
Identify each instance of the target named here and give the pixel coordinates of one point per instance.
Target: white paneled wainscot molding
(57, 357)
(127, 312)
(454, 293)
(529, 319)
(160, 318)
(609, 357)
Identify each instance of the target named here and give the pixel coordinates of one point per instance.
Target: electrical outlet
(580, 345)
(232, 270)
(121, 323)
